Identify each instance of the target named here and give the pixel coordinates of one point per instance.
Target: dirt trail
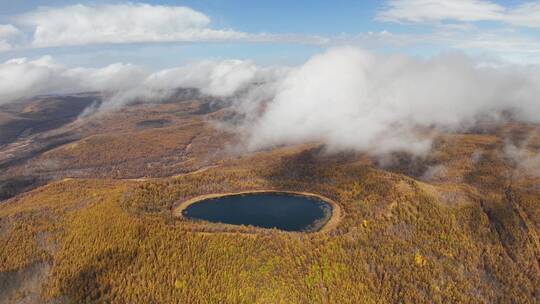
(144, 179)
(200, 170)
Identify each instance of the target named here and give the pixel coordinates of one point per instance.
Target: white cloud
(510, 46)
(352, 99)
(9, 35)
(527, 14)
(288, 38)
(426, 11)
(346, 97)
(114, 77)
(120, 23)
(5, 46)
(22, 78)
(526, 162)
(436, 10)
(125, 83)
(137, 23)
(143, 23)
(507, 44)
(213, 78)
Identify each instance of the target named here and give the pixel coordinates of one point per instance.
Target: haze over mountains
(346, 97)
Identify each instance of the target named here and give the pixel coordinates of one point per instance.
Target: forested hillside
(470, 235)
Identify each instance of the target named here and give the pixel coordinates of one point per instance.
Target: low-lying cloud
(353, 99)
(526, 162)
(125, 83)
(347, 98)
(22, 78)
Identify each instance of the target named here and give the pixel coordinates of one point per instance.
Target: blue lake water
(267, 210)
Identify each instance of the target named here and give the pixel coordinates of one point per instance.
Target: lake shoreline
(336, 213)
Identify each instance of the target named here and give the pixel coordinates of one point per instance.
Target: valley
(270, 152)
(94, 217)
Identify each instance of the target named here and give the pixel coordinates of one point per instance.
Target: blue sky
(273, 32)
(302, 16)
(448, 63)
